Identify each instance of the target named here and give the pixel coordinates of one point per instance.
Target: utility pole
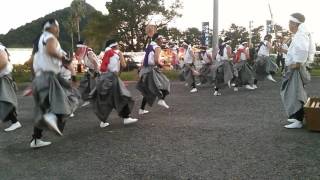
(250, 32)
(215, 27)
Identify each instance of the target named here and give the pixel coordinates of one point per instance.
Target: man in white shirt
(301, 50)
(189, 68)
(281, 48)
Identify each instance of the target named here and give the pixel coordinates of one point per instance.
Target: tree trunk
(78, 29)
(72, 45)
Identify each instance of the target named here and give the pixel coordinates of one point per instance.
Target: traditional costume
(205, 71)
(293, 94)
(153, 83)
(49, 88)
(189, 71)
(222, 71)
(91, 63)
(243, 72)
(111, 92)
(8, 98)
(263, 65)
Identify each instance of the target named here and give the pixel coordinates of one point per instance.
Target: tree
(78, 12)
(127, 20)
(71, 28)
(256, 35)
(237, 34)
(193, 35)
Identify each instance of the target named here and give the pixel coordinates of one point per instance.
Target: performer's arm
(122, 60)
(3, 59)
(94, 59)
(157, 53)
(51, 47)
(229, 52)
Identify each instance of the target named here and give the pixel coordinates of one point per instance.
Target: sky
(14, 13)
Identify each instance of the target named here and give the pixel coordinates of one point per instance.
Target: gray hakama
(293, 94)
(153, 84)
(264, 66)
(205, 74)
(244, 73)
(111, 93)
(8, 98)
(187, 73)
(50, 92)
(87, 84)
(222, 73)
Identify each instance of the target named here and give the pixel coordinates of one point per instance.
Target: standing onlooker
(296, 76)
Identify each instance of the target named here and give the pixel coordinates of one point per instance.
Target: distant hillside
(23, 36)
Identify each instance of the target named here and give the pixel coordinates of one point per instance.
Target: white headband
(48, 25)
(113, 44)
(293, 19)
(81, 45)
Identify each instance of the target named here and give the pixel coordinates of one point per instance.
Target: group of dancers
(229, 68)
(56, 97)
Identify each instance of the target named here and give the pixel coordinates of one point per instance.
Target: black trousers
(125, 112)
(298, 115)
(281, 60)
(12, 116)
(144, 100)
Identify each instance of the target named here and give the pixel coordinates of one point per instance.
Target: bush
(21, 73)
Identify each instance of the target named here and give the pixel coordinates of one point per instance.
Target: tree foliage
(237, 34)
(127, 20)
(78, 8)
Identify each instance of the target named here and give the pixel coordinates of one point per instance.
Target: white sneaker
(104, 124)
(198, 84)
(292, 120)
(163, 103)
(86, 103)
(249, 87)
(233, 84)
(71, 115)
(37, 143)
(52, 122)
(216, 93)
(295, 125)
(194, 90)
(235, 89)
(129, 120)
(269, 77)
(142, 112)
(13, 127)
(255, 86)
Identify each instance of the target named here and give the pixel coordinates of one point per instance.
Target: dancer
(243, 72)
(49, 88)
(153, 84)
(281, 55)
(301, 49)
(111, 92)
(223, 69)
(205, 70)
(263, 65)
(91, 63)
(189, 71)
(8, 97)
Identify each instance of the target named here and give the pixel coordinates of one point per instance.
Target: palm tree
(78, 12)
(70, 26)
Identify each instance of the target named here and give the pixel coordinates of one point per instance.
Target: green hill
(23, 36)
